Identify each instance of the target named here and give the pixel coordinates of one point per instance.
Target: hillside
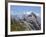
(25, 22)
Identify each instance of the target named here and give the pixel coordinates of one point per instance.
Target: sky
(19, 10)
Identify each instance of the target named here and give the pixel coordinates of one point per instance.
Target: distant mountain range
(31, 19)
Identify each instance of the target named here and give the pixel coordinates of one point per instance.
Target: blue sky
(15, 10)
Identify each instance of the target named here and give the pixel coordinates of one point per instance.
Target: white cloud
(36, 13)
(29, 12)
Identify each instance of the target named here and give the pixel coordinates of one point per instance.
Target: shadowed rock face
(32, 18)
(31, 21)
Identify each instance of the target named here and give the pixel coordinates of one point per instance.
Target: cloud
(36, 13)
(29, 12)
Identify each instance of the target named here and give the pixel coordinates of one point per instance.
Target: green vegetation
(17, 25)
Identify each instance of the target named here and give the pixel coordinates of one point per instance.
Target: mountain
(31, 21)
(34, 20)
